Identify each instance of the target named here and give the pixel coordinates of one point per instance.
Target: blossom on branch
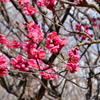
(20, 63)
(48, 3)
(3, 39)
(54, 43)
(24, 3)
(32, 51)
(34, 32)
(13, 44)
(32, 63)
(29, 10)
(3, 65)
(72, 64)
(48, 73)
(85, 29)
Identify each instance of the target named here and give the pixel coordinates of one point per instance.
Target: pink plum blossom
(16, 44)
(3, 65)
(20, 63)
(32, 63)
(29, 10)
(24, 3)
(13, 44)
(72, 67)
(48, 3)
(54, 43)
(72, 64)
(48, 73)
(3, 39)
(34, 32)
(32, 51)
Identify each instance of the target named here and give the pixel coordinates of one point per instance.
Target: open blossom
(16, 44)
(32, 25)
(3, 39)
(36, 35)
(36, 53)
(24, 3)
(3, 65)
(72, 64)
(34, 32)
(48, 3)
(54, 43)
(13, 44)
(8, 42)
(20, 63)
(72, 67)
(29, 10)
(32, 51)
(48, 73)
(28, 64)
(32, 63)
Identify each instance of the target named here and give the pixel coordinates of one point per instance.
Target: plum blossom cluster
(27, 8)
(54, 43)
(34, 31)
(48, 73)
(36, 64)
(13, 44)
(85, 29)
(25, 64)
(72, 64)
(36, 54)
(8, 42)
(3, 65)
(19, 63)
(32, 51)
(48, 3)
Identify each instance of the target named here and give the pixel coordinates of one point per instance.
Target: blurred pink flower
(3, 65)
(48, 73)
(5, 0)
(48, 3)
(24, 3)
(29, 10)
